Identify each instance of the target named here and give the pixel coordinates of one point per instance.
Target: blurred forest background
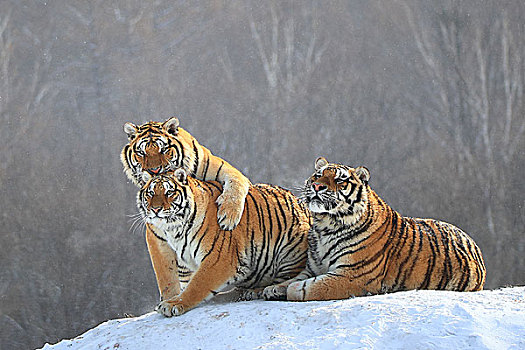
(429, 95)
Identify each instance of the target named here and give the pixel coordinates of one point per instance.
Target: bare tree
(475, 109)
(287, 65)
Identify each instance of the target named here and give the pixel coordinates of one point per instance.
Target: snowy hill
(414, 319)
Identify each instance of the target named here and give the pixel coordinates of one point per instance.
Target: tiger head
(152, 147)
(165, 198)
(337, 189)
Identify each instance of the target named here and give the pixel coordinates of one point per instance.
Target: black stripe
(210, 184)
(447, 267)
(196, 160)
(212, 246)
(127, 153)
(278, 200)
(266, 247)
(199, 244)
(359, 194)
(432, 259)
(364, 262)
(379, 276)
(162, 239)
(415, 260)
(269, 213)
(472, 256)
(480, 267)
(345, 251)
(344, 239)
(184, 247)
(206, 168)
(392, 246)
(255, 256)
(259, 215)
(189, 226)
(221, 234)
(180, 152)
(401, 267)
(267, 259)
(462, 256)
(219, 170)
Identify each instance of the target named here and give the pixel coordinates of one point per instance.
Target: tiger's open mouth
(154, 171)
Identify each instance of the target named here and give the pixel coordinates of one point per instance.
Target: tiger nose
(319, 187)
(156, 209)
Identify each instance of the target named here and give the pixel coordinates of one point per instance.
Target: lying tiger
(268, 245)
(156, 147)
(358, 245)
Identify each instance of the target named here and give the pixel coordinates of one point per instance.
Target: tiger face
(153, 148)
(336, 189)
(165, 199)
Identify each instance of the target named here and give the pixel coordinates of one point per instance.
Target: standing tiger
(358, 245)
(269, 245)
(156, 147)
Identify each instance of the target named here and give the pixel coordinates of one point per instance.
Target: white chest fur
(181, 239)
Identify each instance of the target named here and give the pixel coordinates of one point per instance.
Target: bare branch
(6, 46)
(270, 75)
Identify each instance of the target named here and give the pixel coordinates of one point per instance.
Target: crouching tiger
(268, 245)
(358, 245)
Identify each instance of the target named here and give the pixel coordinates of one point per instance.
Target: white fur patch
(295, 291)
(316, 207)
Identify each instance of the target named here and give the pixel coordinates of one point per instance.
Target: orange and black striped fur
(358, 245)
(156, 147)
(268, 246)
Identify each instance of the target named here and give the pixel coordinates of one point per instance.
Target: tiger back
(358, 245)
(156, 148)
(268, 246)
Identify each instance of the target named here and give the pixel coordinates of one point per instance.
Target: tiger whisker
(137, 222)
(140, 226)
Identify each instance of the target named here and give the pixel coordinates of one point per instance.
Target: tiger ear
(181, 176)
(363, 173)
(130, 129)
(171, 125)
(320, 162)
(146, 176)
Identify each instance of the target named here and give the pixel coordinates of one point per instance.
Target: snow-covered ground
(407, 320)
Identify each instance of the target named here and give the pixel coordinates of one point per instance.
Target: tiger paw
(276, 292)
(229, 212)
(296, 291)
(172, 307)
(250, 294)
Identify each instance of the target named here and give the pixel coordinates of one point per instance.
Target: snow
(414, 319)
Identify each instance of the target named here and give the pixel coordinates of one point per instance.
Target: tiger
(268, 246)
(157, 147)
(358, 245)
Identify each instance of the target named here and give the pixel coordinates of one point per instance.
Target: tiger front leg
(164, 261)
(212, 276)
(231, 203)
(331, 286)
